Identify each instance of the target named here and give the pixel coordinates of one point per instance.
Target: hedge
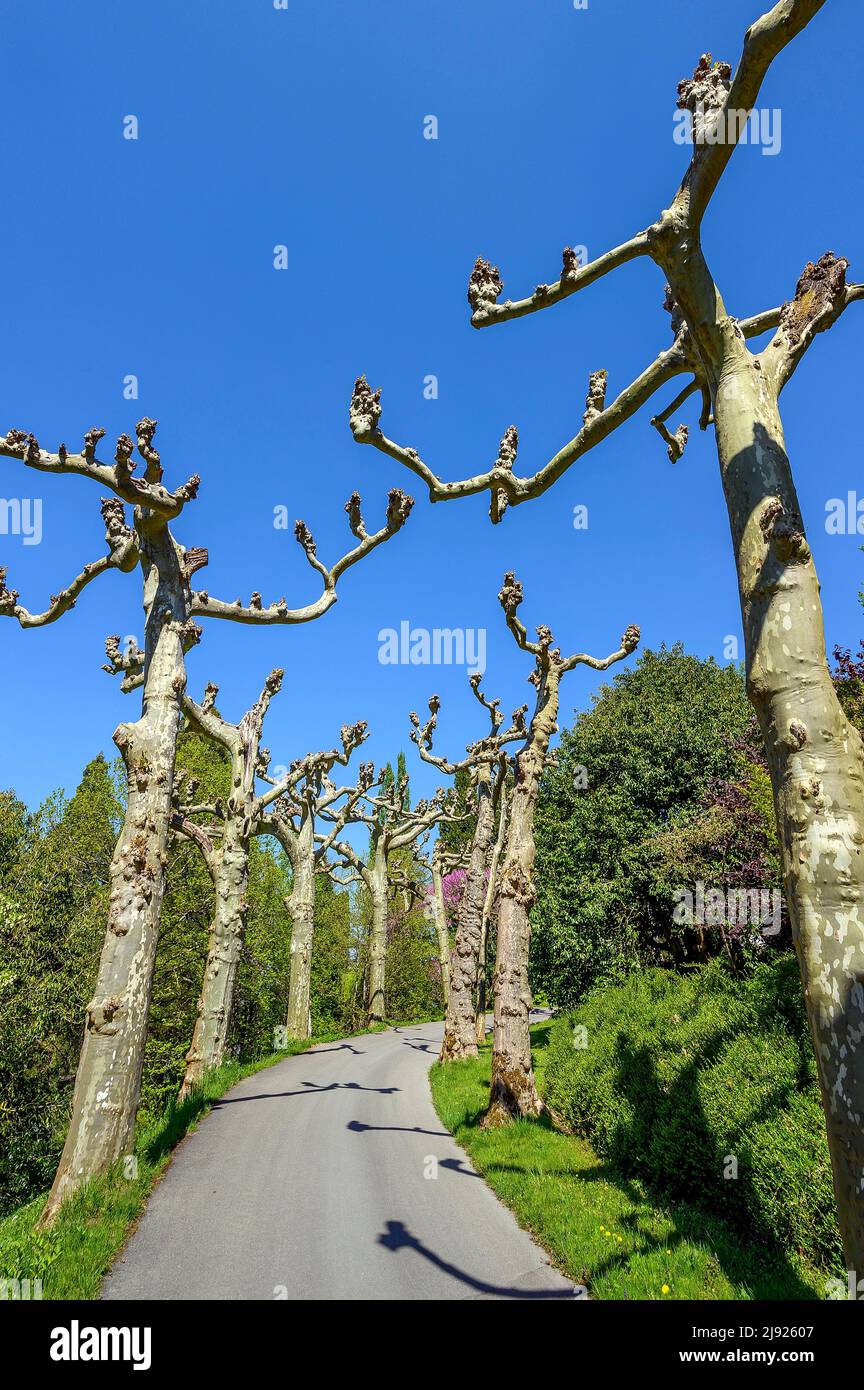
(704, 1086)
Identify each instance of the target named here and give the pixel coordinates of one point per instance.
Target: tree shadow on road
(358, 1127)
(310, 1088)
(398, 1237)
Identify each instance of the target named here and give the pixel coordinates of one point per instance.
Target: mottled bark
(514, 1090)
(814, 754)
(460, 1031)
(486, 762)
(224, 947)
(393, 825)
(235, 824)
(307, 795)
(440, 915)
(108, 1080)
(301, 905)
(376, 882)
(489, 907)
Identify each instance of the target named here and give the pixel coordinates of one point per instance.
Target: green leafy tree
(54, 886)
(634, 768)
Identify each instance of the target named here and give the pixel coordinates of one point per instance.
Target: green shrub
(685, 1076)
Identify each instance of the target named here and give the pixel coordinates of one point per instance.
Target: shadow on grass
(545, 1175)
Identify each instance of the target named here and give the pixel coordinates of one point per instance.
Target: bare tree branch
(720, 100)
(511, 597)
(398, 510)
(506, 487)
(485, 283)
(821, 296)
(146, 492)
(122, 555)
(483, 750)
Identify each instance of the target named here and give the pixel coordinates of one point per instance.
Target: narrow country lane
(308, 1181)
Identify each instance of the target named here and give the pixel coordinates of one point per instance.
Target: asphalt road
(310, 1180)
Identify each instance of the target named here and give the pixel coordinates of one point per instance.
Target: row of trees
(815, 757)
(54, 884)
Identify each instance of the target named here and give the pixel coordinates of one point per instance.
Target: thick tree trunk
(816, 761)
(440, 914)
(108, 1081)
(488, 908)
(375, 1004)
(301, 905)
(227, 930)
(514, 1090)
(460, 1028)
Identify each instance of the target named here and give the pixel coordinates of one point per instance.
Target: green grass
(602, 1229)
(73, 1257)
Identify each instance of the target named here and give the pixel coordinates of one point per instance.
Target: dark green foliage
(683, 1073)
(333, 970)
(457, 836)
(53, 905)
(639, 767)
(413, 971)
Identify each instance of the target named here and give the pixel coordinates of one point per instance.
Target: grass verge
(601, 1228)
(73, 1257)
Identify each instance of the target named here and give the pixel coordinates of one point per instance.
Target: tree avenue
(392, 900)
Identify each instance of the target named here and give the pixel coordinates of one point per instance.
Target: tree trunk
(108, 1081)
(301, 905)
(440, 914)
(514, 1090)
(460, 1028)
(227, 930)
(816, 762)
(488, 908)
(375, 1006)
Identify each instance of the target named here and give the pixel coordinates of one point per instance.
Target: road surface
(310, 1180)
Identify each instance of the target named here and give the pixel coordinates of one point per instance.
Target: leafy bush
(685, 1076)
(657, 785)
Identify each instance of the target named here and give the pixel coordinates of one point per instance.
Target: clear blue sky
(305, 127)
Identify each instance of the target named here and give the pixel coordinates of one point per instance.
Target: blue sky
(304, 127)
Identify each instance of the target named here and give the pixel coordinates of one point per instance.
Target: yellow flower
(665, 1289)
(621, 1238)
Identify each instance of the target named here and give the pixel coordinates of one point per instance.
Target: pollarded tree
(108, 1080)
(513, 1090)
(287, 812)
(393, 826)
(442, 863)
(224, 843)
(486, 762)
(306, 798)
(504, 791)
(815, 755)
